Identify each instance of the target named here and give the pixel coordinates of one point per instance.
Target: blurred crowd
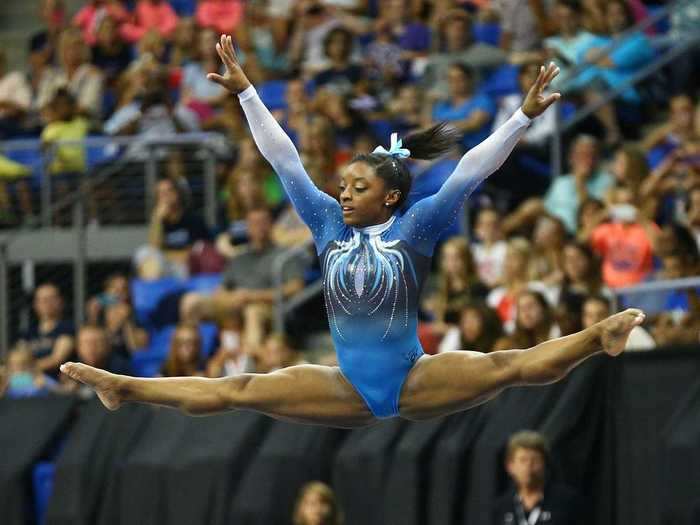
(537, 256)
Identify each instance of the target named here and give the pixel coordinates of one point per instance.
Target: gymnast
(375, 257)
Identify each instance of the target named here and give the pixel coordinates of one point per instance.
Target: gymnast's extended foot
(106, 385)
(616, 329)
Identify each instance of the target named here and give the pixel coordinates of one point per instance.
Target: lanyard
(532, 519)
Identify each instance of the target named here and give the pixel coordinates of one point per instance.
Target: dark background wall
(625, 432)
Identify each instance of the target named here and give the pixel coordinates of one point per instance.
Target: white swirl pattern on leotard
(365, 273)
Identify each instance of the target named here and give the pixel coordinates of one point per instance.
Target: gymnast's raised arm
(312, 204)
(481, 161)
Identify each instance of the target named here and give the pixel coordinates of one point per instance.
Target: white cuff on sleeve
(520, 117)
(249, 93)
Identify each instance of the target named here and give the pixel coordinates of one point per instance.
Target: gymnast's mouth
(348, 210)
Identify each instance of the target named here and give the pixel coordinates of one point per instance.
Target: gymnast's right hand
(234, 80)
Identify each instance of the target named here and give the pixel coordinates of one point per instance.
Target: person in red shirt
(150, 14)
(626, 242)
(91, 14)
(220, 15)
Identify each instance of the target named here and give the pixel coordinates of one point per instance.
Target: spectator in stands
(93, 349)
(534, 498)
(50, 338)
(42, 75)
(313, 21)
(597, 307)
(408, 110)
(469, 112)
(412, 35)
(581, 277)
(15, 98)
(231, 357)
(548, 240)
(340, 74)
(90, 16)
(110, 53)
(478, 330)
(184, 44)
(455, 44)
(321, 155)
(348, 124)
(458, 284)
(608, 70)
(150, 14)
(626, 242)
(275, 353)
(83, 80)
(534, 323)
(565, 194)
(564, 47)
(197, 93)
(677, 131)
(692, 212)
(64, 124)
(263, 41)
(222, 16)
(185, 354)
(248, 283)
(523, 24)
(316, 505)
(112, 311)
(173, 229)
(384, 57)
(490, 249)
(677, 328)
(23, 378)
(515, 281)
(145, 108)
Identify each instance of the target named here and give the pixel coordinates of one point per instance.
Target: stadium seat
(42, 477)
(184, 7)
(30, 157)
(99, 154)
(502, 82)
(147, 296)
(381, 129)
(487, 33)
(272, 93)
(203, 283)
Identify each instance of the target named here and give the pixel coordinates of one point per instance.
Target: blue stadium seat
(42, 477)
(95, 155)
(502, 82)
(487, 33)
(662, 26)
(209, 334)
(272, 93)
(184, 7)
(30, 157)
(147, 295)
(204, 283)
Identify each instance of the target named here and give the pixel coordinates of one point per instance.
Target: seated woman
(534, 322)
(185, 354)
(22, 378)
(469, 112)
(608, 70)
(479, 328)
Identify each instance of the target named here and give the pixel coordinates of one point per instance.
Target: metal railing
(651, 295)
(105, 158)
(667, 56)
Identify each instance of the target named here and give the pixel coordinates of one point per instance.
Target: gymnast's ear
(392, 198)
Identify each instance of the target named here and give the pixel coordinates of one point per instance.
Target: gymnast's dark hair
(424, 144)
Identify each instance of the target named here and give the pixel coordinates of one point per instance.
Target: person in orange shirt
(150, 14)
(626, 242)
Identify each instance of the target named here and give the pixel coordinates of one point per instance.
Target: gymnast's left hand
(234, 79)
(536, 102)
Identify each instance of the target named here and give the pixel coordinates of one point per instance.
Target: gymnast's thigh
(442, 384)
(311, 394)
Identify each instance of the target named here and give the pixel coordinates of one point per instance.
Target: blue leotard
(373, 276)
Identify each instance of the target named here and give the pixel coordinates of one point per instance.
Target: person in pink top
(90, 15)
(223, 16)
(626, 242)
(150, 14)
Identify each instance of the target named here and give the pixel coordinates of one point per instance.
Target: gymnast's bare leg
(450, 382)
(436, 386)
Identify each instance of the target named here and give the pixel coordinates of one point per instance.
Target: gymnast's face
(364, 197)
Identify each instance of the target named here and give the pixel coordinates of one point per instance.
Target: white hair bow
(395, 149)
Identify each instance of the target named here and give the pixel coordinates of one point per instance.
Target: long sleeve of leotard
(430, 216)
(317, 209)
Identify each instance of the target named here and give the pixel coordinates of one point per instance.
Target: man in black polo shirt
(173, 229)
(50, 338)
(534, 500)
